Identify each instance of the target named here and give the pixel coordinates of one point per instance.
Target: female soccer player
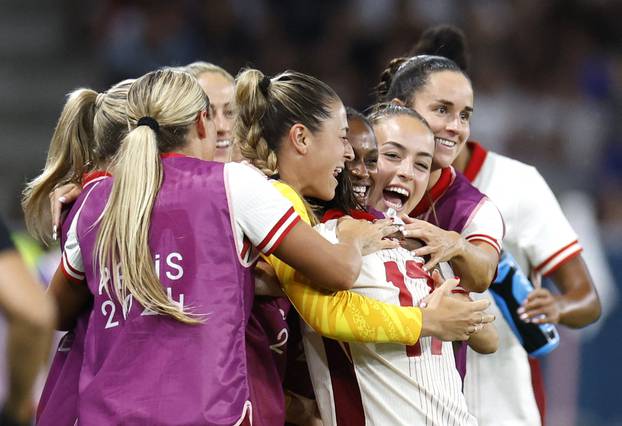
(543, 243)
(219, 86)
(365, 149)
(295, 125)
(88, 134)
(367, 163)
(162, 248)
(468, 227)
(360, 383)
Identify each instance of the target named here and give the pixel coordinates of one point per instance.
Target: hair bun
(444, 40)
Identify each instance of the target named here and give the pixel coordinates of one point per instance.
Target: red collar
(478, 156)
(172, 155)
(447, 177)
(356, 214)
(88, 178)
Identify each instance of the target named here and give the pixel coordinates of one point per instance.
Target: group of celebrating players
(250, 251)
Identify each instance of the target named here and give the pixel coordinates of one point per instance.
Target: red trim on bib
(447, 177)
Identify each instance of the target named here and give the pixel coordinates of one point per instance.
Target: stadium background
(548, 91)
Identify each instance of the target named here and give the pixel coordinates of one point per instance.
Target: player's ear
(298, 137)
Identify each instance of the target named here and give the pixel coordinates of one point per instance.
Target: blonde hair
(172, 98)
(88, 133)
(198, 68)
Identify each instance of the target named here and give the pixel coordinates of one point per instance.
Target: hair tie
(264, 85)
(149, 121)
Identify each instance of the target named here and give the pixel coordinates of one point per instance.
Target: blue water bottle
(510, 289)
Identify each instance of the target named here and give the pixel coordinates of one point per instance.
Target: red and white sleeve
(485, 225)
(263, 215)
(72, 264)
(546, 235)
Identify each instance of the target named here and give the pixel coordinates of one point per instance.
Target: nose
(406, 170)
(358, 168)
(455, 124)
(220, 122)
(348, 153)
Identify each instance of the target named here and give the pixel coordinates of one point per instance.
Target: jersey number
(395, 277)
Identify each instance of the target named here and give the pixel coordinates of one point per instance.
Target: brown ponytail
(382, 89)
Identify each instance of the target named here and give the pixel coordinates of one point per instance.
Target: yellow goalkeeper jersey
(343, 315)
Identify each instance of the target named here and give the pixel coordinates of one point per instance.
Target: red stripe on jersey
(488, 240)
(346, 392)
(69, 276)
(478, 156)
(551, 257)
(71, 268)
(275, 228)
(283, 234)
(172, 155)
(245, 248)
(564, 261)
(89, 177)
(538, 387)
(439, 188)
(355, 214)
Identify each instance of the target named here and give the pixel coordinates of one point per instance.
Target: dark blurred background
(547, 76)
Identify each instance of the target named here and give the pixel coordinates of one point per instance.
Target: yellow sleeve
(344, 315)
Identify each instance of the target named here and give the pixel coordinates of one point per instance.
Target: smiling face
(326, 155)
(220, 91)
(446, 102)
(405, 152)
(364, 164)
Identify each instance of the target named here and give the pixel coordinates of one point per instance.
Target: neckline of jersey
(478, 156)
(433, 194)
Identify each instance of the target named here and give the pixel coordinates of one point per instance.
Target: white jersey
(540, 238)
(386, 384)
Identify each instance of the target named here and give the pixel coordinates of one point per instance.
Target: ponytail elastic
(264, 85)
(150, 122)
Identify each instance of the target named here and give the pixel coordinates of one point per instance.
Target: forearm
(578, 309)
(71, 299)
(485, 341)
(475, 264)
(345, 266)
(309, 253)
(578, 302)
(348, 316)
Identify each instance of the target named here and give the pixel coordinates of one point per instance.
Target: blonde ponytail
(68, 156)
(172, 99)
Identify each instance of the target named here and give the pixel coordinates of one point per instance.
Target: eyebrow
(396, 144)
(445, 101)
